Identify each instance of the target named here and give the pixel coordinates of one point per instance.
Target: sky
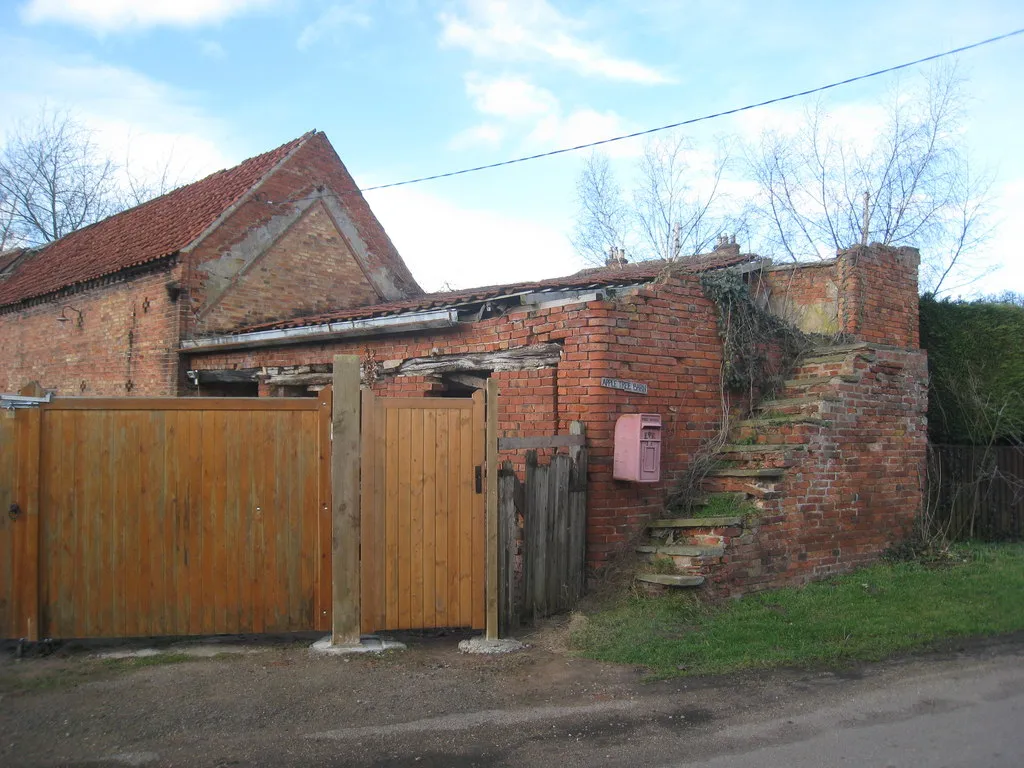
(408, 88)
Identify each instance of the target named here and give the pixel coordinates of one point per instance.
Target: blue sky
(406, 88)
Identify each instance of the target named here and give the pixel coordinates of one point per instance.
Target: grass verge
(868, 615)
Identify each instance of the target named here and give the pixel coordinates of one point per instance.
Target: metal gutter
(373, 326)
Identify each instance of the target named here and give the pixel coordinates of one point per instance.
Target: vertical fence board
(454, 518)
(508, 539)
(492, 551)
(428, 565)
(444, 515)
(371, 581)
(978, 491)
(552, 550)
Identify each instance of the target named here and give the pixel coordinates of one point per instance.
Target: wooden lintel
(518, 359)
(239, 376)
(301, 380)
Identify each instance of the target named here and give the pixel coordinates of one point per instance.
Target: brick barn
(250, 281)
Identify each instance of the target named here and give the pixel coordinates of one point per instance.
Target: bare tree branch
(915, 171)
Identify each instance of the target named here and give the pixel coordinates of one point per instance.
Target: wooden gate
(169, 517)
(422, 513)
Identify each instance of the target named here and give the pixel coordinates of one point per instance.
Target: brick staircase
(750, 476)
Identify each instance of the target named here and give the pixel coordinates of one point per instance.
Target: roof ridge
(177, 190)
(155, 229)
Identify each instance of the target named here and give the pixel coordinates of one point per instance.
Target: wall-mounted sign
(626, 386)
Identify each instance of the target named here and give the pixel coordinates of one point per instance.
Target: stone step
(680, 550)
(835, 349)
(792, 406)
(806, 382)
(763, 472)
(746, 448)
(741, 485)
(696, 522)
(670, 579)
(774, 421)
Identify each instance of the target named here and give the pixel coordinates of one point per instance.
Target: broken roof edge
(639, 273)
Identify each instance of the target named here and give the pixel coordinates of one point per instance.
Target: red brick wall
(664, 336)
(857, 488)
(96, 359)
(878, 294)
(309, 270)
(806, 295)
(317, 251)
(868, 292)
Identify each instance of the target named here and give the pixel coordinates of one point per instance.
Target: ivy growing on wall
(976, 369)
(759, 347)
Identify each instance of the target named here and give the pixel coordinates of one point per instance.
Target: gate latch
(14, 512)
(479, 478)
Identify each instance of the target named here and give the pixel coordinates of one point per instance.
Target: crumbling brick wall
(856, 482)
(868, 293)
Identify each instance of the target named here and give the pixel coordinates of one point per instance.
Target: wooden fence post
(26, 528)
(492, 510)
(345, 461)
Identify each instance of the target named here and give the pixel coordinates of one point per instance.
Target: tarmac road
(432, 707)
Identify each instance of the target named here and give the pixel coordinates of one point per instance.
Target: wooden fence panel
(978, 491)
(8, 469)
(542, 566)
(421, 515)
(184, 517)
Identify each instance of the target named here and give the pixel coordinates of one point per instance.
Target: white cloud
(856, 124)
(335, 18)
(583, 126)
(509, 97)
(443, 242)
(116, 15)
(532, 30)
(998, 257)
(133, 116)
(487, 135)
(523, 105)
(211, 49)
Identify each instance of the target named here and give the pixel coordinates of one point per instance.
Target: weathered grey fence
(977, 492)
(543, 521)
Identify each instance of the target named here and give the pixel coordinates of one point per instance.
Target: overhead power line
(702, 118)
(691, 121)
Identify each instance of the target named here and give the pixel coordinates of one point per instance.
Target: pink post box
(638, 448)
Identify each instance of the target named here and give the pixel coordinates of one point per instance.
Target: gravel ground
(278, 704)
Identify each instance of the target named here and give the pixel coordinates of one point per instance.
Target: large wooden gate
(422, 513)
(166, 517)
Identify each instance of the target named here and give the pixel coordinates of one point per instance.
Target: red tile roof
(151, 231)
(640, 272)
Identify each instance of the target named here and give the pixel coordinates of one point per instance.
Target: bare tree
(8, 237)
(138, 187)
(674, 208)
(822, 190)
(603, 219)
(54, 180)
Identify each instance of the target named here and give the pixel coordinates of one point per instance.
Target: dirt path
(428, 706)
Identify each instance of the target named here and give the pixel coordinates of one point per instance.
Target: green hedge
(976, 364)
